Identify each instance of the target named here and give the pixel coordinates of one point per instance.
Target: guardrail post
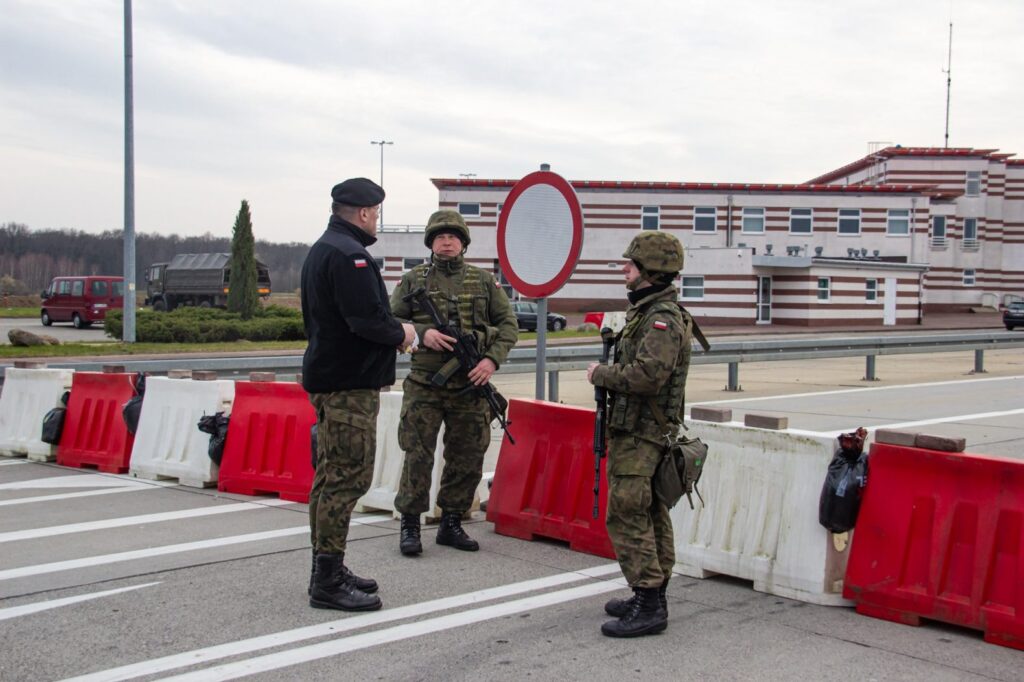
(553, 386)
(869, 369)
(734, 377)
(979, 362)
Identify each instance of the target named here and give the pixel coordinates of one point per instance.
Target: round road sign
(540, 234)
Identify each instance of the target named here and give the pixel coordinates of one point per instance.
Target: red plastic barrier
(94, 432)
(941, 536)
(267, 448)
(544, 484)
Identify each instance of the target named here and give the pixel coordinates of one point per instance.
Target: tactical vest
(631, 413)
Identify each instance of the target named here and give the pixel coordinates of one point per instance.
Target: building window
(898, 222)
(409, 263)
(970, 230)
(824, 288)
(469, 210)
(650, 217)
(704, 219)
(973, 188)
(939, 230)
(693, 288)
(849, 221)
(501, 205)
(753, 220)
(380, 263)
(968, 277)
(801, 221)
(871, 290)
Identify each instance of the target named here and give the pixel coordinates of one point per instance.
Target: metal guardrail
(578, 357)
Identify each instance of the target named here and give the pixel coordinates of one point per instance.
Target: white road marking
(68, 496)
(334, 647)
(940, 420)
(17, 611)
(50, 531)
(83, 481)
(816, 394)
(72, 564)
(213, 653)
(13, 462)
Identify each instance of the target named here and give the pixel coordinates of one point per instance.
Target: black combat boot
(645, 616)
(334, 589)
(620, 607)
(409, 541)
(367, 585)
(450, 533)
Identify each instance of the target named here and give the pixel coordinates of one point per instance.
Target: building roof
(443, 183)
(890, 152)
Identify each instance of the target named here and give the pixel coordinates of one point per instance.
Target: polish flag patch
(359, 262)
(658, 324)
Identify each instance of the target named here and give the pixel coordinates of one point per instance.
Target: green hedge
(209, 325)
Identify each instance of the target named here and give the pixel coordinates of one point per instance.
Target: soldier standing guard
(469, 298)
(351, 355)
(652, 357)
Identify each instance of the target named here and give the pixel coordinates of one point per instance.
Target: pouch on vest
(53, 421)
(844, 483)
(217, 426)
(681, 465)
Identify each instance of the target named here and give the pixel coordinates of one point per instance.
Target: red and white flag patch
(658, 324)
(359, 262)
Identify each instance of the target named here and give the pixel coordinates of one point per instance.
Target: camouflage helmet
(656, 252)
(446, 220)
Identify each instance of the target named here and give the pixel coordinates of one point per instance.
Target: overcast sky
(274, 102)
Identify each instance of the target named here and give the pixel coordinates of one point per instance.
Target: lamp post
(381, 142)
(128, 322)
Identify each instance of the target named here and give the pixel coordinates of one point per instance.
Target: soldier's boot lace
(451, 533)
(333, 587)
(645, 616)
(409, 540)
(620, 607)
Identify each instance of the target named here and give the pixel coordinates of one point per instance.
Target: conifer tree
(242, 295)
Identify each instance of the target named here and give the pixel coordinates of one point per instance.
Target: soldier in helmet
(652, 356)
(470, 298)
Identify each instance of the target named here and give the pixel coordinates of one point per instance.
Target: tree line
(29, 259)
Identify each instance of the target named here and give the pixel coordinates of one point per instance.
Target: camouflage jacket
(464, 295)
(652, 357)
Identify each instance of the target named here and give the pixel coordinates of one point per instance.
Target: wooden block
(204, 375)
(766, 421)
(29, 364)
(262, 376)
(711, 414)
(113, 369)
(179, 374)
(941, 443)
(895, 437)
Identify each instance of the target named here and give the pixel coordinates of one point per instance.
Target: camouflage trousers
(345, 448)
(639, 526)
(467, 426)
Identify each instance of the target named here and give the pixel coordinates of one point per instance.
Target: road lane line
(84, 481)
(335, 647)
(13, 462)
(950, 419)
(100, 560)
(69, 496)
(354, 622)
(17, 611)
(86, 526)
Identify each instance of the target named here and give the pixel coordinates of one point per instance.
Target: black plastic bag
(217, 426)
(312, 446)
(131, 410)
(844, 483)
(53, 421)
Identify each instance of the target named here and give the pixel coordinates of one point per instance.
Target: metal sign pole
(542, 345)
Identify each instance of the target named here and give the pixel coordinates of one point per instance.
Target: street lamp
(381, 142)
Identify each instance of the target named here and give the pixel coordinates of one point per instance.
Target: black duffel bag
(53, 421)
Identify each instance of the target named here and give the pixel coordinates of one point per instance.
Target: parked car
(1013, 315)
(81, 300)
(526, 317)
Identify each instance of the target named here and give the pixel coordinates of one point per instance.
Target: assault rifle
(600, 436)
(466, 357)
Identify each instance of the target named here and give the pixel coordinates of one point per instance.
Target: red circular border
(558, 281)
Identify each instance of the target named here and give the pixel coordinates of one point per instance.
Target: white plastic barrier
(387, 468)
(761, 520)
(28, 394)
(168, 443)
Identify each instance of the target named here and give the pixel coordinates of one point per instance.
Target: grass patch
(20, 312)
(120, 348)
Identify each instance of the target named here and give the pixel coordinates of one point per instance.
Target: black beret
(358, 192)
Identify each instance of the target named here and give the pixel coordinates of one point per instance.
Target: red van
(81, 300)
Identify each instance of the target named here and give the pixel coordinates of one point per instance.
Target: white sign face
(539, 234)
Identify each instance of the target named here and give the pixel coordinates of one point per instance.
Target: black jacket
(352, 334)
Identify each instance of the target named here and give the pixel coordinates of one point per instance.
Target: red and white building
(888, 238)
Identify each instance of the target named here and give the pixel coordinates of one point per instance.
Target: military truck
(196, 279)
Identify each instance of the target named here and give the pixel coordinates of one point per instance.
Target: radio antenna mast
(949, 80)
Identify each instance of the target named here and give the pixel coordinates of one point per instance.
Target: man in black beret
(350, 357)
